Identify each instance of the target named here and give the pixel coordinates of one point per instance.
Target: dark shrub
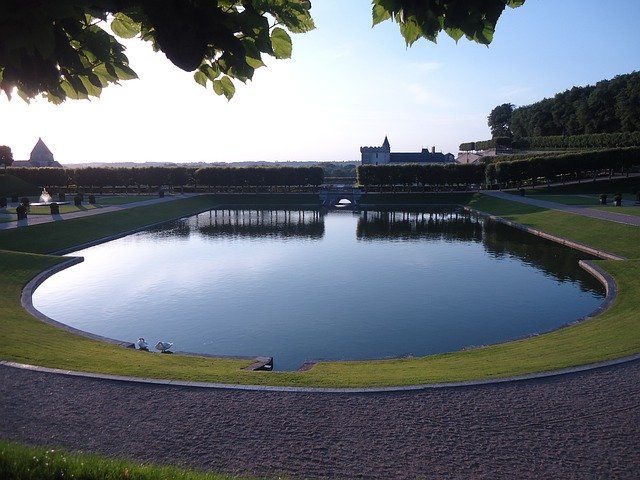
(61, 197)
(522, 192)
(55, 208)
(3, 202)
(618, 199)
(603, 199)
(92, 199)
(77, 200)
(21, 210)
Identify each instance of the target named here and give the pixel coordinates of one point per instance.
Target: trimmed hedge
(591, 141)
(503, 170)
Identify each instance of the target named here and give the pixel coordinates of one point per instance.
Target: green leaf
(125, 73)
(124, 26)
(281, 43)
(380, 14)
(225, 87)
(200, 78)
(455, 33)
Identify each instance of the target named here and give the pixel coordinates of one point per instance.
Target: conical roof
(386, 144)
(40, 149)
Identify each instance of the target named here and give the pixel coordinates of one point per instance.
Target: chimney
(433, 149)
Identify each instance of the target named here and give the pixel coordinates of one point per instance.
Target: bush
(21, 210)
(77, 200)
(92, 199)
(3, 202)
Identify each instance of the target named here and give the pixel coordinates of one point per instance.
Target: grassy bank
(25, 339)
(612, 237)
(18, 462)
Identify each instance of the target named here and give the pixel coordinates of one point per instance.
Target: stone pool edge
(26, 300)
(598, 272)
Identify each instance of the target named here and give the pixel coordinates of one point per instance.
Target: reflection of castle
(40, 156)
(383, 155)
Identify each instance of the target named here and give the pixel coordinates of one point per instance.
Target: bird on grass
(142, 344)
(164, 347)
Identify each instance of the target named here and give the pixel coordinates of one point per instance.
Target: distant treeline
(504, 171)
(591, 141)
(157, 177)
(608, 106)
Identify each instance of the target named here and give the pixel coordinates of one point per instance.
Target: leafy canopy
(6, 156)
(70, 48)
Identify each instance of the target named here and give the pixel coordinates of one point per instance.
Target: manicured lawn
(63, 235)
(611, 237)
(122, 200)
(635, 211)
(613, 334)
(37, 463)
(569, 199)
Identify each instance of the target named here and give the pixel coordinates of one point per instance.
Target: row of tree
(156, 177)
(434, 175)
(559, 167)
(260, 176)
(501, 173)
(591, 141)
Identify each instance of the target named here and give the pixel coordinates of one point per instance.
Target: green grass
(635, 211)
(623, 240)
(613, 334)
(568, 199)
(63, 235)
(46, 210)
(122, 200)
(20, 462)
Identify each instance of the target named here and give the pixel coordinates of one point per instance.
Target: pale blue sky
(347, 85)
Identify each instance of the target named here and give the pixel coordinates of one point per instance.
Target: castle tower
(376, 155)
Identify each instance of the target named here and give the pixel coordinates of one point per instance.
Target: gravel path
(582, 426)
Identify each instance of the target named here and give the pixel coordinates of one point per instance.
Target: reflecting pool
(304, 285)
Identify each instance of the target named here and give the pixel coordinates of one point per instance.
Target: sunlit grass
(21, 462)
(613, 334)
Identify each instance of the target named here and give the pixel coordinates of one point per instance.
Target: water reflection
(383, 225)
(555, 260)
(307, 284)
(419, 225)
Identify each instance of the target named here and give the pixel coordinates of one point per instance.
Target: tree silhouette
(60, 49)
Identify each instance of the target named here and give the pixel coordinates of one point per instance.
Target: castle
(40, 156)
(383, 155)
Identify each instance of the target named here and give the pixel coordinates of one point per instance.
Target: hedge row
(529, 169)
(418, 174)
(173, 176)
(260, 176)
(595, 140)
(550, 167)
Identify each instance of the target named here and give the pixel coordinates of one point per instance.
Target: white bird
(164, 346)
(142, 344)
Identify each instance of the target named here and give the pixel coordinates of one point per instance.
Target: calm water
(344, 285)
